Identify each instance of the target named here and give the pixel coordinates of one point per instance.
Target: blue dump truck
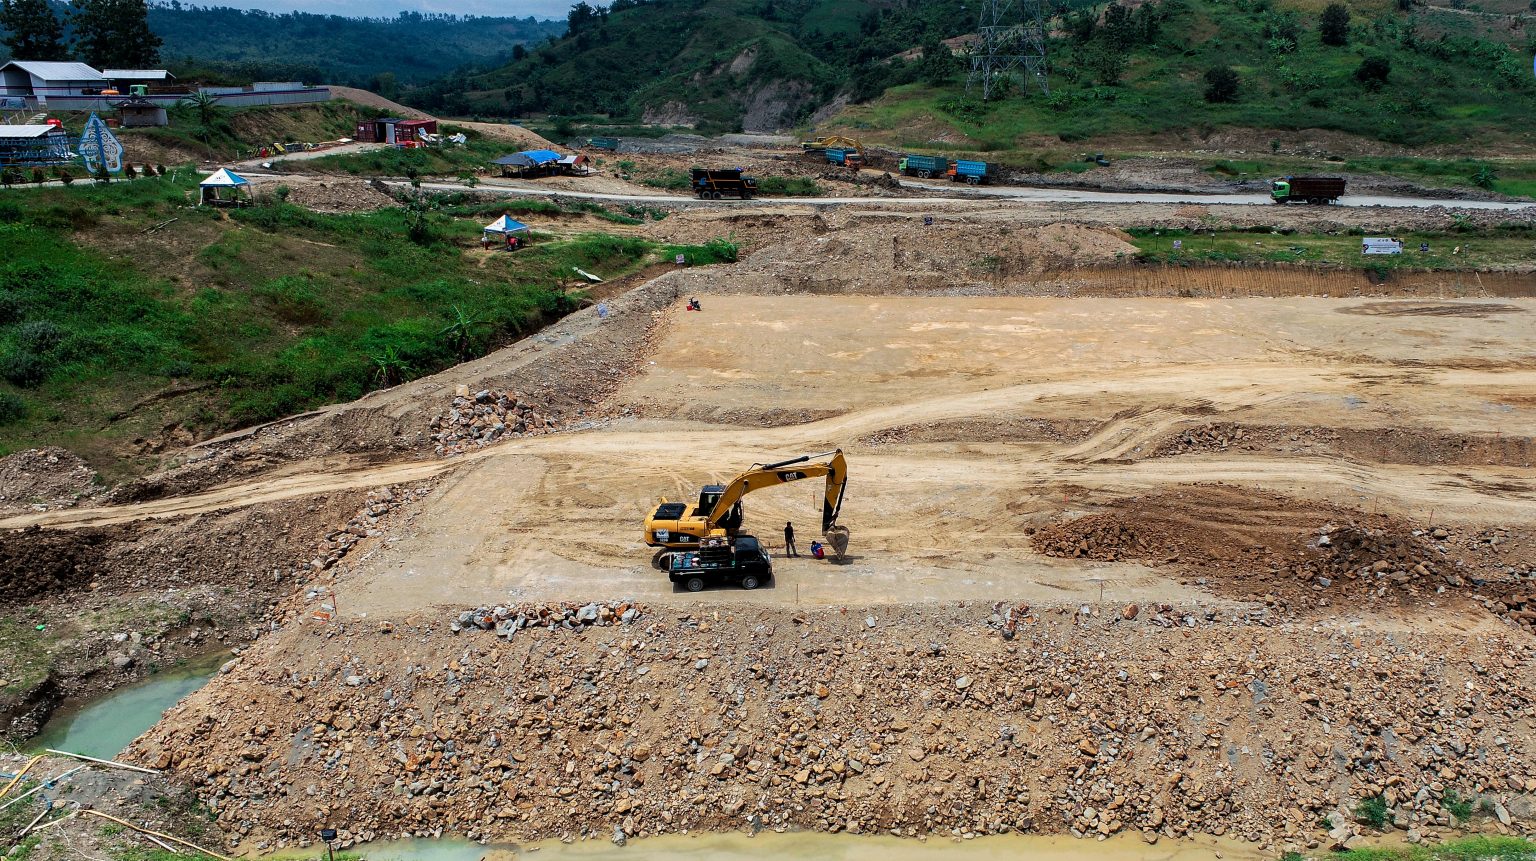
(717, 183)
(973, 172)
(844, 156)
(925, 166)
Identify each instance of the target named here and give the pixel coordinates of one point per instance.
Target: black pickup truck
(744, 563)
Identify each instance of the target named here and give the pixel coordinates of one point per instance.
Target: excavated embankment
(1166, 720)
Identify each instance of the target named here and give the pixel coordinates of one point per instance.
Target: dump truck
(604, 143)
(717, 516)
(1307, 189)
(973, 172)
(925, 166)
(844, 157)
(713, 184)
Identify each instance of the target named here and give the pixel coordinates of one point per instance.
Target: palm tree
(206, 106)
(461, 332)
(389, 368)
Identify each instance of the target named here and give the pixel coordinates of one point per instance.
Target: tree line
(103, 33)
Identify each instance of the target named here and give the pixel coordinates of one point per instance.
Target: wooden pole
(104, 761)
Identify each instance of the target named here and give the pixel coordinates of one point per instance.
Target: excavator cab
(709, 496)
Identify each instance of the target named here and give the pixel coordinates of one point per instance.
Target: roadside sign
(1381, 245)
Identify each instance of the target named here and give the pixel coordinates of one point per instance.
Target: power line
(1010, 34)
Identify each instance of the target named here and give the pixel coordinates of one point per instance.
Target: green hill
(210, 42)
(1406, 74)
(411, 47)
(721, 64)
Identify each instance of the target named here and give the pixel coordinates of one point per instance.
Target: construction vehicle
(717, 516)
(604, 143)
(1317, 190)
(830, 141)
(742, 561)
(845, 157)
(731, 182)
(925, 166)
(973, 172)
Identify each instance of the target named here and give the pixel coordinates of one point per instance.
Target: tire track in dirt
(1479, 493)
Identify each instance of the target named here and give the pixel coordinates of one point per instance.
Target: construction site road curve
(1011, 193)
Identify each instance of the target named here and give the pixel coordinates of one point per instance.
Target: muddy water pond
(104, 726)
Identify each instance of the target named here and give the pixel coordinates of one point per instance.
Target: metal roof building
(40, 79)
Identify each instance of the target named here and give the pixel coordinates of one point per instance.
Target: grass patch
(1454, 804)
(271, 311)
(1495, 247)
(29, 652)
(1373, 812)
(790, 186)
(444, 160)
(1466, 849)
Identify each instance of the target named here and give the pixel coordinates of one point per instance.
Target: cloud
(388, 8)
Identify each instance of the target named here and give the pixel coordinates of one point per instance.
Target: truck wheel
(925, 174)
(1314, 200)
(714, 195)
(749, 582)
(694, 584)
(973, 180)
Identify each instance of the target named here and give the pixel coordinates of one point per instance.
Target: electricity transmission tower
(1011, 34)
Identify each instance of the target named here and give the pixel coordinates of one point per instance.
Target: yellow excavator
(717, 516)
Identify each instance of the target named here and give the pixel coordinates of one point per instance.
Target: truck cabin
(1280, 189)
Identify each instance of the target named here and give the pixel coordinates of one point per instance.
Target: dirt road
(951, 195)
(1023, 409)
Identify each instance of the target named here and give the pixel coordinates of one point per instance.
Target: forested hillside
(723, 63)
(359, 51)
(381, 53)
(1398, 71)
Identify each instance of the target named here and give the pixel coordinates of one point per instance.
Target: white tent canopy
(506, 224)
(224, 178)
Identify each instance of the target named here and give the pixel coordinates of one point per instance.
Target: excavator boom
(830, 464)
(678, 525)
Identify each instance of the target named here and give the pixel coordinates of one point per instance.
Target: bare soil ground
(1123, 559)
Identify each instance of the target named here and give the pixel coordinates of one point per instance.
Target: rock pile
(925, 723)
(1357, 552)
(479, 419)
(44, 478)
(1106, 537)
(506, 621)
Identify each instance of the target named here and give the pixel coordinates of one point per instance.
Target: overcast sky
(388, 8)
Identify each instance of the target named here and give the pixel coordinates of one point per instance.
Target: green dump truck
(1317, 190)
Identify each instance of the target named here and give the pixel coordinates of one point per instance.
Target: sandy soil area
(1070, 496)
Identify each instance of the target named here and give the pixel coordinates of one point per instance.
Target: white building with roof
(38, 79)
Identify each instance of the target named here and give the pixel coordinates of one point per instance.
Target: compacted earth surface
(1137, 551)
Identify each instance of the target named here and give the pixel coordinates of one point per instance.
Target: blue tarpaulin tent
(534, 161)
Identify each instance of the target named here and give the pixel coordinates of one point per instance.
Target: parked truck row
(930, 166)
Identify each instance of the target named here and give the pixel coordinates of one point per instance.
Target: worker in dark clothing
(789, 540)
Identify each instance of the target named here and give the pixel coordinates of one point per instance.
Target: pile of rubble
(862, 720)
(1361, 553)
(44, 478)
(1213, 437)
(339, 196)
(479, 419)
(1105, 537)
(506, 621)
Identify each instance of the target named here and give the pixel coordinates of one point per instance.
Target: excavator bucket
(837, 539)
